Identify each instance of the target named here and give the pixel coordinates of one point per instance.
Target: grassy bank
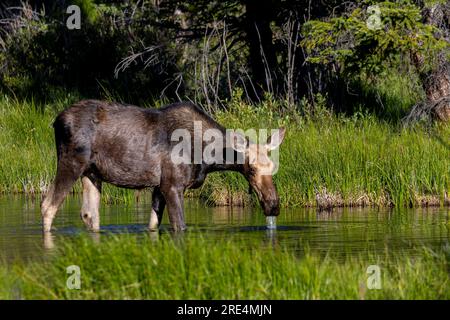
(330, 160)
(326, 160)
(129, 268)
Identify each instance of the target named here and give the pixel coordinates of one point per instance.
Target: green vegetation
(128, 267)
(373, 40)
(326, 159)
(148, 50)
(347, 161)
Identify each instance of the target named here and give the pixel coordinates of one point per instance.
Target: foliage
(145, 51)
(39, 53)
(357, 42)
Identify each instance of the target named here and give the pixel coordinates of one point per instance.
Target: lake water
(347, 231)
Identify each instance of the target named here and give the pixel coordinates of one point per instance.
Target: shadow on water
(343, 231)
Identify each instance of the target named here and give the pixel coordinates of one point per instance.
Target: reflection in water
(153, 235)
(271, 236)
(48, 240)
(346, 231)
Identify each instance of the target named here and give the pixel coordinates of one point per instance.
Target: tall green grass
(325, 160)
(128, 267)
(330, 159)
(27, 153)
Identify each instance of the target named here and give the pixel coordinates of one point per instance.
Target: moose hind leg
(158, 204)
(66, 175)
(91, 202)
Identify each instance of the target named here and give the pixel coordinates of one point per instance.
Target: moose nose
(272, 208)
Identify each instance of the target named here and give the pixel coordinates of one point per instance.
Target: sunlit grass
(357, 160)
(128, 267)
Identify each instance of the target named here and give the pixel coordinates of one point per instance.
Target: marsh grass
(332, 160)
(128, 267)
(326, 160)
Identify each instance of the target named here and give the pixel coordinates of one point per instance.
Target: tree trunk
(436, 83)
(437, 89)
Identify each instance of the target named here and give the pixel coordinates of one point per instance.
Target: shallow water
(346, 231)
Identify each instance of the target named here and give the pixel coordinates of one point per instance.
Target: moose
(131, 147)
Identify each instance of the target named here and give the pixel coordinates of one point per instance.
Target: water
(346, 231)
(271, 223)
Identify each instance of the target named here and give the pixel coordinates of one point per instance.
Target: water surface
(346, 231)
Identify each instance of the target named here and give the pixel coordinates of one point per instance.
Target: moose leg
(158, 204)
(174, 199)
(48, 209)
(91, 202)
(66, 175)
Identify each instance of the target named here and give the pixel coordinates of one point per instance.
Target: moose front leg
(91, 202)
(174, 199)
(158, 204)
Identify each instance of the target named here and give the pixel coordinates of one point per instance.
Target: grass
(326, 160)
(128, 267)
(330, 160)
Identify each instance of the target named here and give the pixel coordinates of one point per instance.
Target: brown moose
(131, 147)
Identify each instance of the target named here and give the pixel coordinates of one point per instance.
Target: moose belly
(128, 165)
(133, 174)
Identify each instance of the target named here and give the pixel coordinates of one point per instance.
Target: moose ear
(276, 139)
(238, 142)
